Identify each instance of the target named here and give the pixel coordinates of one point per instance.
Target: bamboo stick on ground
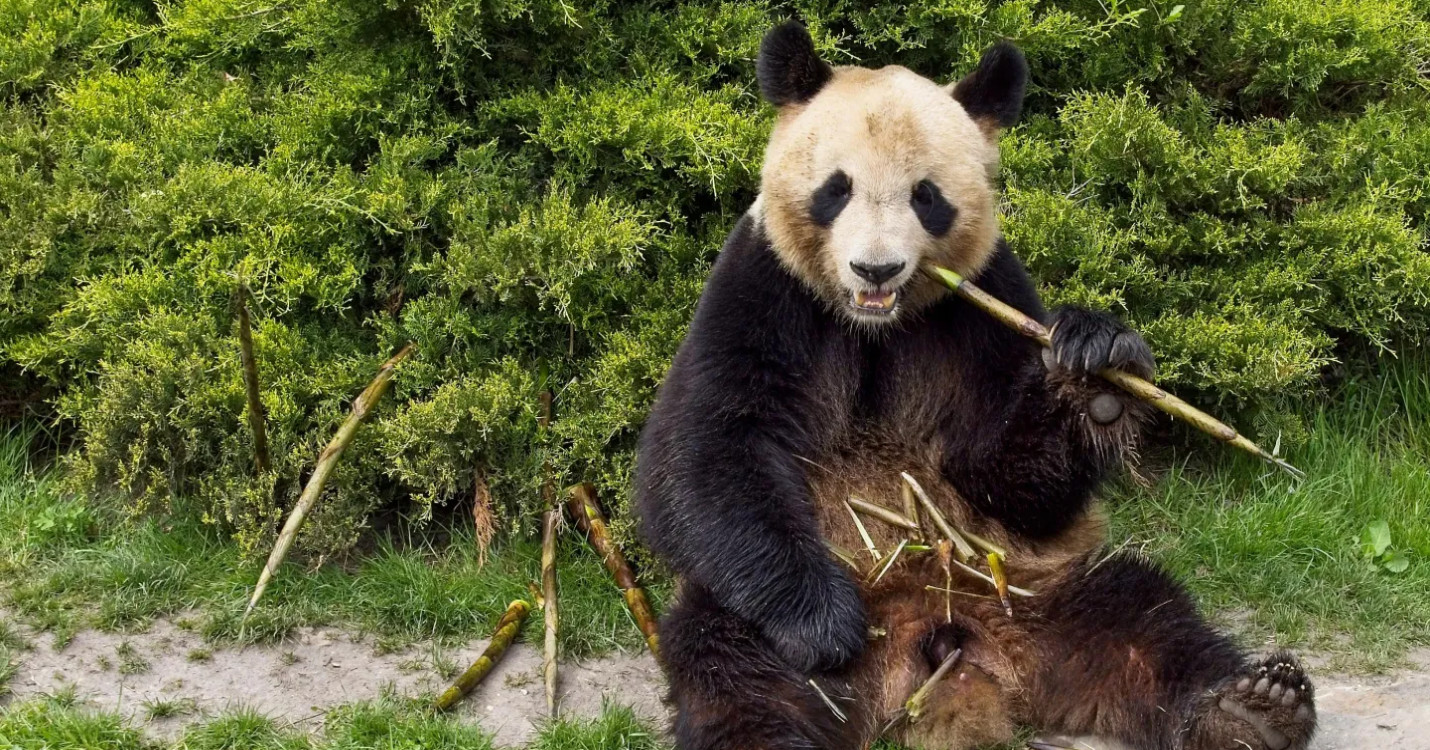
(548, 589)
(1166, 402)
(506, 630)
(582, 504)
(261, 460)
(327, 460)
(550, 523)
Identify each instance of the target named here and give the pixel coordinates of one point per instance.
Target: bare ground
(318, 669)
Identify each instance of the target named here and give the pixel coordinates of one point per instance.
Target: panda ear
(789, 70)
(994, 92)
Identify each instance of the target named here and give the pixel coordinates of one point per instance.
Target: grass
(389, 724)
(1284, 562)
(69, 564)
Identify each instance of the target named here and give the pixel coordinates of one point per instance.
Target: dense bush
(532, 191)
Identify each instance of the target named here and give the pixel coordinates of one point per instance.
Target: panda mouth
(876, 302)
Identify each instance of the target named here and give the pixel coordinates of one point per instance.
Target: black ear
(995, 90)
(789, 70)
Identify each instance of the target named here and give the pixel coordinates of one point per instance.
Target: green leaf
(1394, 562)
(1376, 538)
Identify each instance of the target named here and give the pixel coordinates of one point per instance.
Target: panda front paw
(1085, 342)
(820, 626)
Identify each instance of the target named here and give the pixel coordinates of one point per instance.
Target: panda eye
(935, 213)
(830, 199)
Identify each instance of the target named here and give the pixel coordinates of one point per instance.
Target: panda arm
(721, 494)
(1036, 457)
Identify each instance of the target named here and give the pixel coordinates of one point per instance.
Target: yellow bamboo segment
(582, 504)
(506, 630)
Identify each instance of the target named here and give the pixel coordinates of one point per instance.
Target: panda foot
(1271, 705)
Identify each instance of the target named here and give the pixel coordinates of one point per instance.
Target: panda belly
(916, 595)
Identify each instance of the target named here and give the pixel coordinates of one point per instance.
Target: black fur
(996, 88)
(830, 199)
(789, 69)
(935, 213)
(720, 486)
(768, 375)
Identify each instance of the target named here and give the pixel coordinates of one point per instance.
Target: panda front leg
(732, 691)
(1122, 654)
(1049, 439)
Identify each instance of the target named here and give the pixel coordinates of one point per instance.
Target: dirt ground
(317, 669)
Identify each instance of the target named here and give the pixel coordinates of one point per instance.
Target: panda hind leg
(1122, 654)
(731, 691)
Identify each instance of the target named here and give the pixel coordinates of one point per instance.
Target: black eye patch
(933, 210)
(830, 199)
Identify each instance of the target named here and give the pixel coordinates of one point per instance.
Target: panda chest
(882, 431)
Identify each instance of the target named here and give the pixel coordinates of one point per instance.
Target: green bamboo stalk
(965, 550)
(327, 460)
(506, 631)
(1143, 390)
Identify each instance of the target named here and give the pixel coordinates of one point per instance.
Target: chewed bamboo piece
(863, 533)
(506, 630)
(913, 708)
(1000, 581)
(965, 551)
(582, 504)
(327, 460)
(891, 517)
(1143, 390)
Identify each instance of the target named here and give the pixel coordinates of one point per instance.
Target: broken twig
(261, 460)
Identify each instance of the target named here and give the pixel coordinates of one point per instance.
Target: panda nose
(877, 273)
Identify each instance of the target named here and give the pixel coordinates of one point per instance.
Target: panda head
(871, 174)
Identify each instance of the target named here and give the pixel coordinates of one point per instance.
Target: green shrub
(532, 192)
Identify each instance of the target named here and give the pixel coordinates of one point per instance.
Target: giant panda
(821, 363)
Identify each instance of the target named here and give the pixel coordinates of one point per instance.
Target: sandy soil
(316, 669)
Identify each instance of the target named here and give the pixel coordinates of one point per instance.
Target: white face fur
(875, 176)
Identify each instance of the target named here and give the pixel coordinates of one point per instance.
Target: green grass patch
(389, 724)
(70, 563)
(1287, 562)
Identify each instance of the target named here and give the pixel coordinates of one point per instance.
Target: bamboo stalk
(985, 545)
(550, 523)
(965, 551)
(506, 630)
(945, 557)
(891, 517)
(327, 460)
(582, 504)
(1000, 581)
(256, 423)
(1166, 402)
